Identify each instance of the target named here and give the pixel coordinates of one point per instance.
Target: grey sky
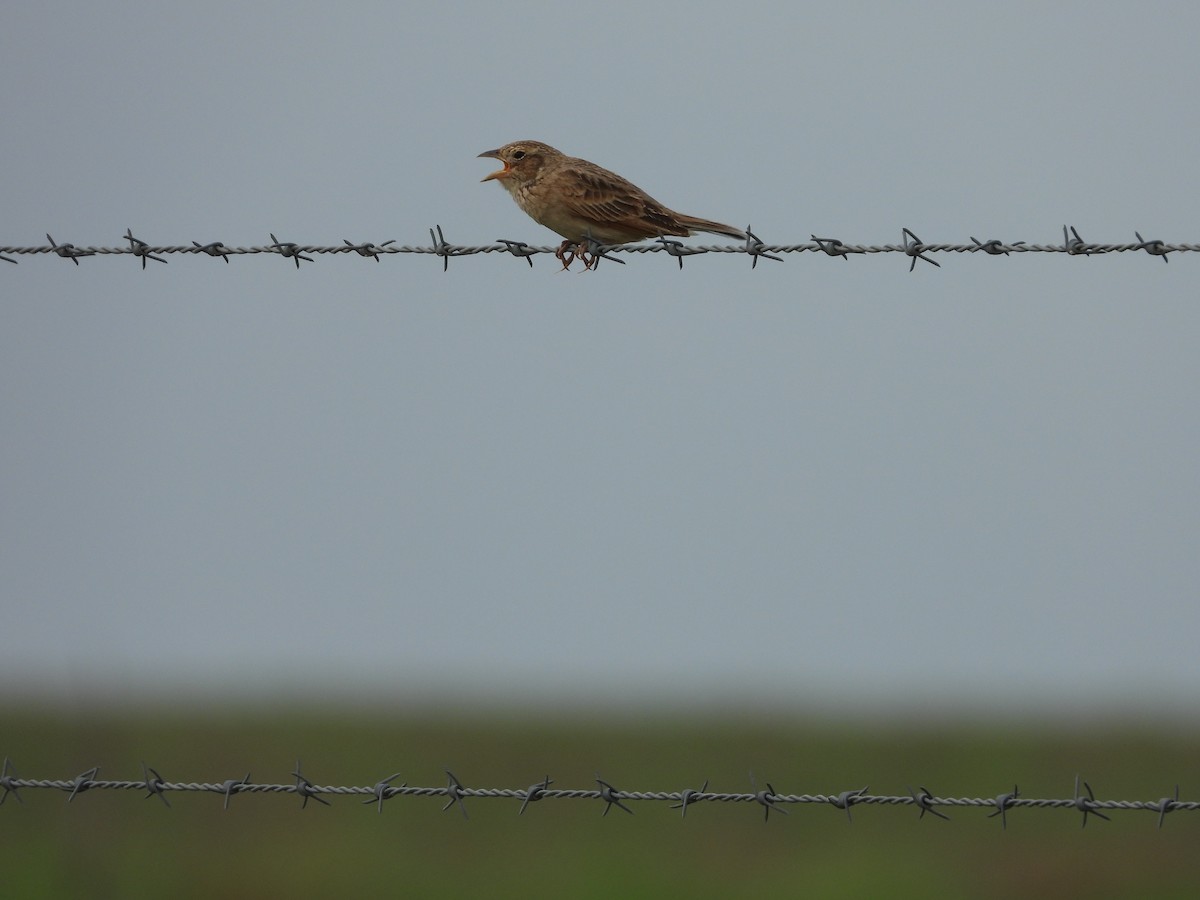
(819, 481)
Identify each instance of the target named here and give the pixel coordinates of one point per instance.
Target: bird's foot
(569, 251)
(566, 254)
(590, 260)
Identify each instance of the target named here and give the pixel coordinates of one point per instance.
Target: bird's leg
(566, 254)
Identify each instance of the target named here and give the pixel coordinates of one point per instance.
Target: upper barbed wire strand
(911, 246)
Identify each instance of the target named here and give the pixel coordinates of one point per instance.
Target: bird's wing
(610, 201)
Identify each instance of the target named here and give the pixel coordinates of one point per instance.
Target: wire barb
(1003, 802)
(231, 786)
(994, 247)
(611, 796)
(1077, 246)
(687, 795)
(154, 786)
(216, 248)
(915, 249)
(847, 799)
(140, 248)
(535, 793)
(68, 251)
(83, 782)
(454, 790)
(7, 779)
(768, 798)
(368, 249)
(520, 250)
(924, 800)
(1166, 805)
(834, 247)
(289, 249)
(1086, 805)
(383, 791)
(1154, 248)
(755, 247)
(679, 250)
(305, 788)
(444, 250)
(591, 251)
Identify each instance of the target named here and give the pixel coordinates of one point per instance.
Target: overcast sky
(818, 482)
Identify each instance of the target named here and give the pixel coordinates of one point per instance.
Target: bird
(586, 203)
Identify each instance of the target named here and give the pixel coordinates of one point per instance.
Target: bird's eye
(518, 154)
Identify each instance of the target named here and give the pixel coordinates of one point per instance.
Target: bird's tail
(694, 224)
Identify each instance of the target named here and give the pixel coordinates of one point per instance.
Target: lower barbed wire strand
(84, 784)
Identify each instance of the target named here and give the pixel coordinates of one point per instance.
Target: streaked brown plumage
(579, 199)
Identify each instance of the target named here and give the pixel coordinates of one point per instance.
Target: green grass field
(117, 844)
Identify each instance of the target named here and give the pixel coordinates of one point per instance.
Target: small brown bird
(581, 200)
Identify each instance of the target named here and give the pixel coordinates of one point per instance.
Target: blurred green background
(117, 844)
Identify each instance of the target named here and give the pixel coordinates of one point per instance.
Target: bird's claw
(565, 254)
(569, 251)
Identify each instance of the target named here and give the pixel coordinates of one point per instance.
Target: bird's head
(523, 160)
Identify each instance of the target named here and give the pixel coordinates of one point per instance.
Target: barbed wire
(767, 798)
(593, 251)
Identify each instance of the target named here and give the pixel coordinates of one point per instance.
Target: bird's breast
(545, 206)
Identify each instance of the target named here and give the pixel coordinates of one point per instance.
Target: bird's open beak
(500, 173)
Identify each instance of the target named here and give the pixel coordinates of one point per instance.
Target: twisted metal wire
(768, 799)
(910, 246)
